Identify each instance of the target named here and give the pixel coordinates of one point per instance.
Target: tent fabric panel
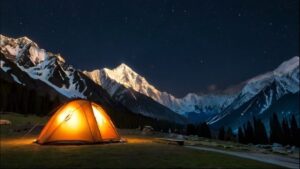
(68, 124)
(92, 122)
(72, 124)
(48, 129)
(105, 125)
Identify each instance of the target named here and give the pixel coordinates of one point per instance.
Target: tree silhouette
(286, 139)
(203, 130)
(229, 134)
(241, 135)
(295, 134)
(221, 134)
(260, 135)
(249, 133)
(276, 134)
(191, 129)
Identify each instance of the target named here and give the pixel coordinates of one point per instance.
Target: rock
(5, 122)
(148, 130)
(278, 148)
(179, 136)
(276, 145)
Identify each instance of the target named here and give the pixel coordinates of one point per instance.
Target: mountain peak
(24, 40)
(126, 76)
(123, 68)
(288, 66)
(18, 48)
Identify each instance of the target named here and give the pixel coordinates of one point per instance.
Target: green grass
(137, 153)
(19, 121)
(17, 151)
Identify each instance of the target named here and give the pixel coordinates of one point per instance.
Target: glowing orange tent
(77, 122)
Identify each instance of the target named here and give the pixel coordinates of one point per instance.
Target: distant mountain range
(23, 62)
(254, 97)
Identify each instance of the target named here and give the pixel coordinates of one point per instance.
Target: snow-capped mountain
(122, 84)
(124, 76)
(261, 93)
(23, 58)
(44, 66)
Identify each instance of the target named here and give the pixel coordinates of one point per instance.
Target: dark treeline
(201, 130)
(226, 134)
(19, 99)
(133, 121)
(286, 133)
(253, 133)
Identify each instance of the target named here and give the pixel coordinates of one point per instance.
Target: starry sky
(179, 46)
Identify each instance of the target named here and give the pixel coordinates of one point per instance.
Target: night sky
(179, 46)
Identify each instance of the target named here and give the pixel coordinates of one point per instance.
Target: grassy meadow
(19, 151)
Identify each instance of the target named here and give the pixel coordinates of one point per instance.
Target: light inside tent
(79, 121)
(70, 118)
(99, 117)
(105, 126)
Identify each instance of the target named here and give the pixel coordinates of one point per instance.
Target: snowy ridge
(285, 78)
(287, 71)
(39, 64)
(111, 79)
(286, 74)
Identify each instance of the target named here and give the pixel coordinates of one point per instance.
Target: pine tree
(191, 129)
(208, 133)
(249, 133)
(256, 131)
(295, 135)
(261, 133)
(229, 134)
(241, 135)
(221, 135)
(286, 132)
(203, 130)
(276, 130)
